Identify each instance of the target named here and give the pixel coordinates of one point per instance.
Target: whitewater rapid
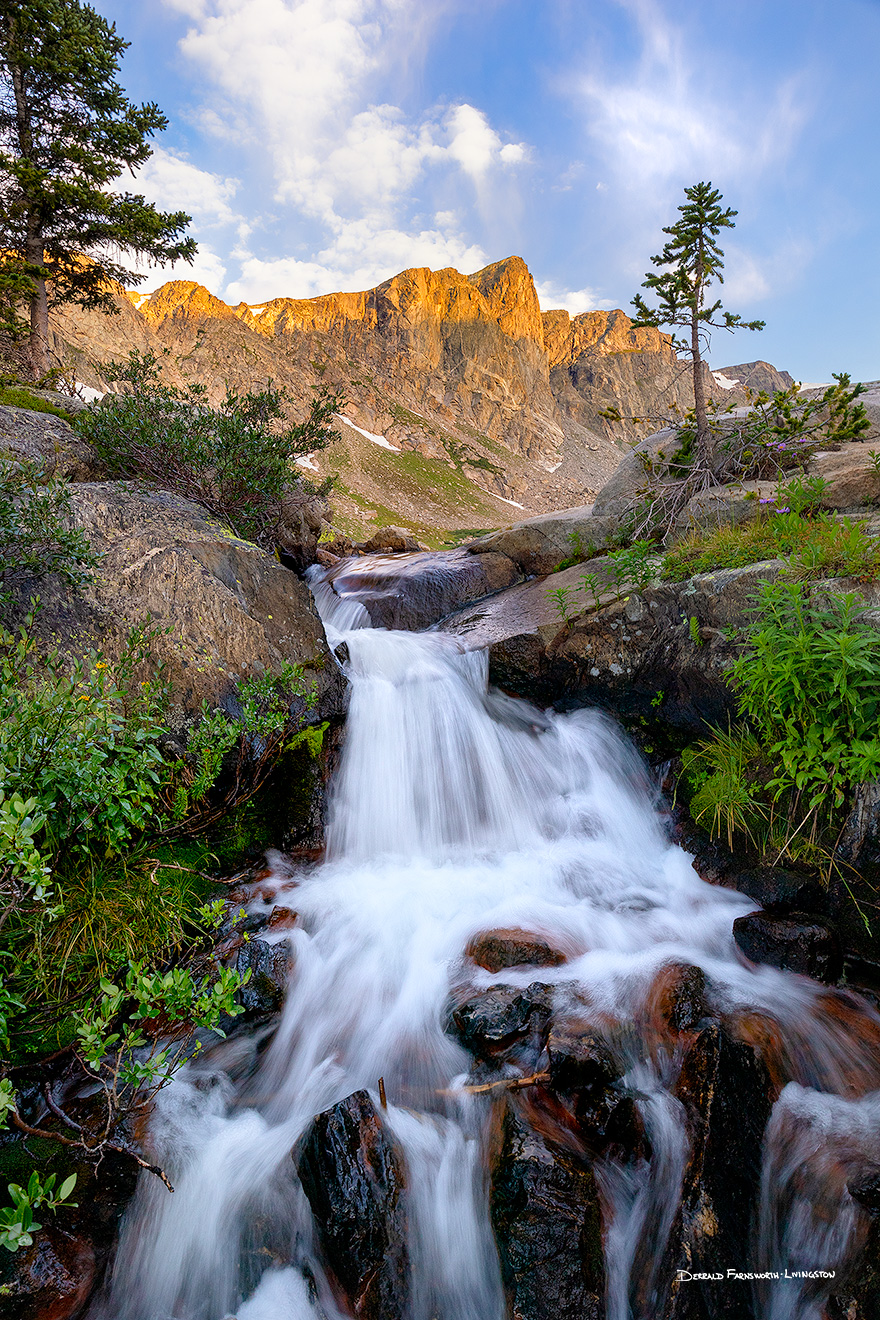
(455, 811)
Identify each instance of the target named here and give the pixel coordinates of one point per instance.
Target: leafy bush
(35, 532)
(809, 682)
(783, 431)
(236, 459)
(18, 396)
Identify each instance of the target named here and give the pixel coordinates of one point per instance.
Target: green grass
(16, 396)
(819, 547)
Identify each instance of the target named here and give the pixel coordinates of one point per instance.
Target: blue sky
(327, 144)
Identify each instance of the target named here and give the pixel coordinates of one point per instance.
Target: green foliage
(825, 546)
(783, 431)
(809, 682)
(35, 532)
(67, 134)
(560, 598)
(694, 631)
(17, 1223)
(237, 459)
(17, 396)
(634, 566)
(580, 551)
(726, 775)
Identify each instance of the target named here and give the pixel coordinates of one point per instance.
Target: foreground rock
(727, 1095)
(415, 590)
(663, 652)
(796, 942)
(222, 608)
(545, 1213)
(353, 1177)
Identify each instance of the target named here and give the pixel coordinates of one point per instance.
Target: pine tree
(689, 263)
(67, 131)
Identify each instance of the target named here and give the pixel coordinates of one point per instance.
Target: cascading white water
(455, 811)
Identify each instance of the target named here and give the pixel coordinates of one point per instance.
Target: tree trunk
(38, 342)
(704, 440)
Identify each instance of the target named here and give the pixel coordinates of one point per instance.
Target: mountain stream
(458, 811)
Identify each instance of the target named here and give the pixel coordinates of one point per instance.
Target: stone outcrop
(50, 441)
(222, 608)
(539, 545)
(545, 1212)
(757, 376)
(353, 1176)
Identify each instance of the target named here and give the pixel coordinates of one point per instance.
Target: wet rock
(727, 1095)
(269, 966)
(502, 1016)
(282, 918)
(677, 997)
(865, 1188)
(797, 942)
(353, 1177)
(585, 1072)
(547, 1223)
(50, 1280)
(777, 886)
(497, 949)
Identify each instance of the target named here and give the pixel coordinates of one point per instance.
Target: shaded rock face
(353, 1177)
(51, 1280)
(225, 609)
(269, 966)
(757, 376)
(727, 1095)
(546, 1218)
(796, 942)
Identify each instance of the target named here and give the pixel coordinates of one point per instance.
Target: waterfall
(458, 811)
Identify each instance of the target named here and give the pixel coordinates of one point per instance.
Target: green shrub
(809, 682)
(236, 459)
(18, 396)
(727, 774)
(35, 532)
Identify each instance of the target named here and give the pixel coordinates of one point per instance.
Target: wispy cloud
(295, 81)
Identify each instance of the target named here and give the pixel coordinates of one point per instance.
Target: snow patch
(307, 461)
(504, 501)
(724, 381)
(87, 392)
(368, 435)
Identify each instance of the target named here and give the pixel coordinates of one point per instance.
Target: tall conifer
(67, 132)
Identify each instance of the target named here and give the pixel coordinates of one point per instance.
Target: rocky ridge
(464, 399)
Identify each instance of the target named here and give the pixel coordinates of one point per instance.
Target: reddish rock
(677, 998)
(497, 949)
(282, 918)
(50, 1280)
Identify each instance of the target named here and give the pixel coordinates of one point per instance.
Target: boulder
(302, 520)
(269, 966)
(640, 467)
(497, 949)
(353, 1176)
(50, 1280)
(586, 1066)
(676, 1000)
(539, 545)
(48, 440)
(547, 1222)
(796, 942)
(494, 1020)
(223, 608)
(394, 540)
(853, 481)
(727, 1095)
(417, 590)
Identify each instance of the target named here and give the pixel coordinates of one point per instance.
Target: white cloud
(173, 183)
(574, 301)
(294, 79)
(208, 268)
(671, 116)
(361, 258)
